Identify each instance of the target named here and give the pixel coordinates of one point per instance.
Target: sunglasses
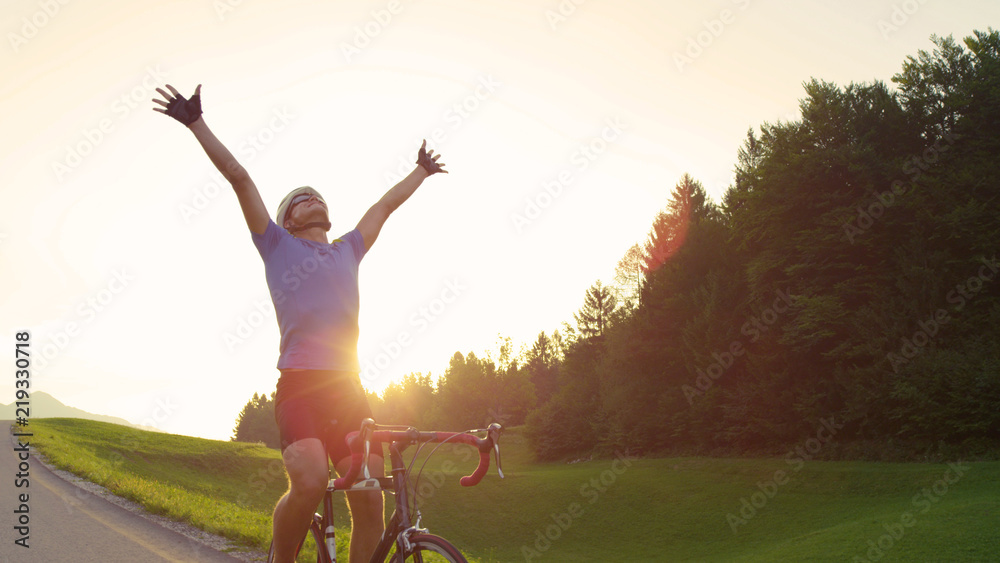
(304, 197)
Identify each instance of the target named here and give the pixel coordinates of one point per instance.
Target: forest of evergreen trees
(849, 274)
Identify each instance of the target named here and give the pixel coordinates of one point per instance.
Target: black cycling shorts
(320, 404)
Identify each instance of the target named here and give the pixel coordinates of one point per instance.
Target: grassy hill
(675, 509)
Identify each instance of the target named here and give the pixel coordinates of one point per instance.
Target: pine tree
(688, 202)
(255, 422)
(541, 363)
(628, 277)
(598, 307)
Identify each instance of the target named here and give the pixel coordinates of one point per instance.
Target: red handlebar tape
(387, 436)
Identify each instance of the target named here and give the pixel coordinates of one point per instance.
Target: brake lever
(366, 432)
(494, 432)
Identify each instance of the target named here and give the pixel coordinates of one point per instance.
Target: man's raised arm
(188, 112)
(371, 224)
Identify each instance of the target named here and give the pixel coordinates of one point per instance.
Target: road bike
(403, 538)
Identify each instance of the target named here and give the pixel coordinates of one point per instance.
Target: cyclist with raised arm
(314, 288)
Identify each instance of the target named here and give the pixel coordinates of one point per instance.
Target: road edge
(211, 541)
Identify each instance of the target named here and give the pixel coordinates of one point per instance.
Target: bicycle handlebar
(411, 435)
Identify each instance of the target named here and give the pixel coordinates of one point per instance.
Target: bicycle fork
(395, 530)
(401, 524)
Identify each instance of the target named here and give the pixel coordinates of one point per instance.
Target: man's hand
(178, 107)
(428, 160)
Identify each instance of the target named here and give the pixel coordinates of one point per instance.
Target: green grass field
(668, 509)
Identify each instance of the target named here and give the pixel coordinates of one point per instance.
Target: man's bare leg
(308, 475)
(367, 512)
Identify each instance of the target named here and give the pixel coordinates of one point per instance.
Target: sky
(564, 125)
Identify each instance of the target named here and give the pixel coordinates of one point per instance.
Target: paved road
(67, 523)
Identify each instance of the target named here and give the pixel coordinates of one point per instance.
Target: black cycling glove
(184, 110)
(427, 162)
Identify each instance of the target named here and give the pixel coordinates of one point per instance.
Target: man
(314, 287)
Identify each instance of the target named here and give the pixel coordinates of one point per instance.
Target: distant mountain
(44, 405)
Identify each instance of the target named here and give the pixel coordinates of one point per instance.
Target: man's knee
(309, 487)
(306, 465)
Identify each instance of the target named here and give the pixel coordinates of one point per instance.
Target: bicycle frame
(401, 525)
(400, 521)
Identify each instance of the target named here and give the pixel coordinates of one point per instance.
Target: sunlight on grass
(599, 510)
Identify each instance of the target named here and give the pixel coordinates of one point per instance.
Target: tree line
(849, 274)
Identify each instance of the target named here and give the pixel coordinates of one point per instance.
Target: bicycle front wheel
(428, 548)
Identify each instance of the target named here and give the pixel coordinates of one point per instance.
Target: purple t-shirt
(314, 288)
